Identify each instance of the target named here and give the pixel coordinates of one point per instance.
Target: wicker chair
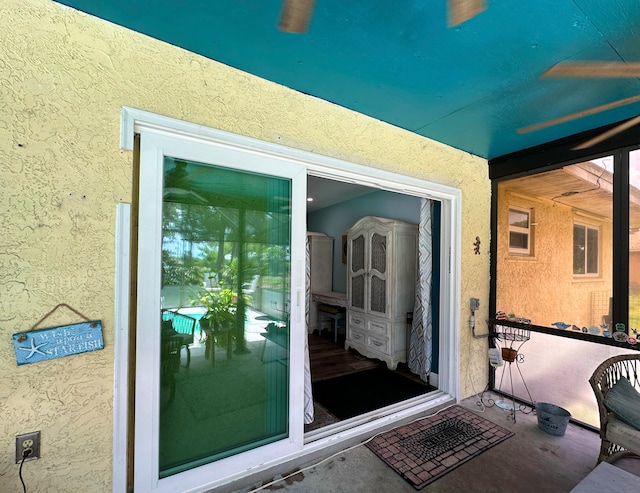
(618, 438)
(183, 325)
(170, 363)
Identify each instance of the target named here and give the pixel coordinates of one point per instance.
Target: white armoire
(319, 272)
(382, 257)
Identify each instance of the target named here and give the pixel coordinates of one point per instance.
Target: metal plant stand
(512, 339)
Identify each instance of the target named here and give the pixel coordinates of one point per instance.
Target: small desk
(332, 306)
(330, 298)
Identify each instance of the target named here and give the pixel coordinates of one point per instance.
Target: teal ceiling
(470, 86)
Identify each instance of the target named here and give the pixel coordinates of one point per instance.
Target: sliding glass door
(226, 226)
(216, 364)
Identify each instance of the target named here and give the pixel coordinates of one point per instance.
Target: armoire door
(378, 273)
(357, 271)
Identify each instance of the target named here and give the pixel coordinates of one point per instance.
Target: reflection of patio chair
(619, 439)
(248, 288)
(184, 326)
(170, 363)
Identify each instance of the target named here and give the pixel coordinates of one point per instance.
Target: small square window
(520, 233)
(585, 250)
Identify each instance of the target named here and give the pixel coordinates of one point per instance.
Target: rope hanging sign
(36, 345)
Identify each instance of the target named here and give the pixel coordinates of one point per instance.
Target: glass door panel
(378, 271)
(378, 298)
(224, 380)
(357, 272)
(379, 253)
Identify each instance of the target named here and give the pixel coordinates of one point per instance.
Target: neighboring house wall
(634, 260)
(542, 287)
(634, 269)
(65, 77)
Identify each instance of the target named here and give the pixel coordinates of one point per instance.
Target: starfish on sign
(34, 349)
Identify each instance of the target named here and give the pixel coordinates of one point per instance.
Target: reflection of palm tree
(220, 222)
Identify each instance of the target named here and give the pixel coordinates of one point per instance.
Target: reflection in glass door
(224, 349)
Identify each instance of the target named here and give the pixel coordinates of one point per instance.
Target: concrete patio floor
(530, 461)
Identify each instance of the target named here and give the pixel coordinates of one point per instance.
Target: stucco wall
(65, 77)
(542, 287)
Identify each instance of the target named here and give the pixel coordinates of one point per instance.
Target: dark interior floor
(531, 461)
(330, 363)
(328, 359)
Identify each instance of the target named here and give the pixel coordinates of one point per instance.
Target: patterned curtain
(308, 395)
(421, 338)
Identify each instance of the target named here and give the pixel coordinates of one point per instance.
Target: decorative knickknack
(509, 354)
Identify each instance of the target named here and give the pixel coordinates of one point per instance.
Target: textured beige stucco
(542, 287)
(65, 77)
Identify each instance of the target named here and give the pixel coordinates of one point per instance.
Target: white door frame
(321, 444)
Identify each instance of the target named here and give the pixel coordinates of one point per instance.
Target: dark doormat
(358, 393)
(426, 450)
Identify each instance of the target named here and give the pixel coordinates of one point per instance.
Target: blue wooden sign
(56, 342)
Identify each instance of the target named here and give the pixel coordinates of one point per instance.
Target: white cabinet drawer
(378, 344)
(357, 321)
(378, 326)
(369, 324)
(372, 337)
(357, 336)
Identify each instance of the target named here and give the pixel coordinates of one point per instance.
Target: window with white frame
(586, 240)
(520, 231)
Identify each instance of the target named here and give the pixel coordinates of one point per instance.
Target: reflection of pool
(254, 325)
(193, 311)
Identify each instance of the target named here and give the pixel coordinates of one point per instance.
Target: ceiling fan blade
(459, 11)
(608, 134)
(296, 15)
(579, 114)
(601, 70)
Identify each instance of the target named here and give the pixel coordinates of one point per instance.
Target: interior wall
(336, 219)
(65, 79)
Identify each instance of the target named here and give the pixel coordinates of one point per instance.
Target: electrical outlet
(474, 304)
(30, 442)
